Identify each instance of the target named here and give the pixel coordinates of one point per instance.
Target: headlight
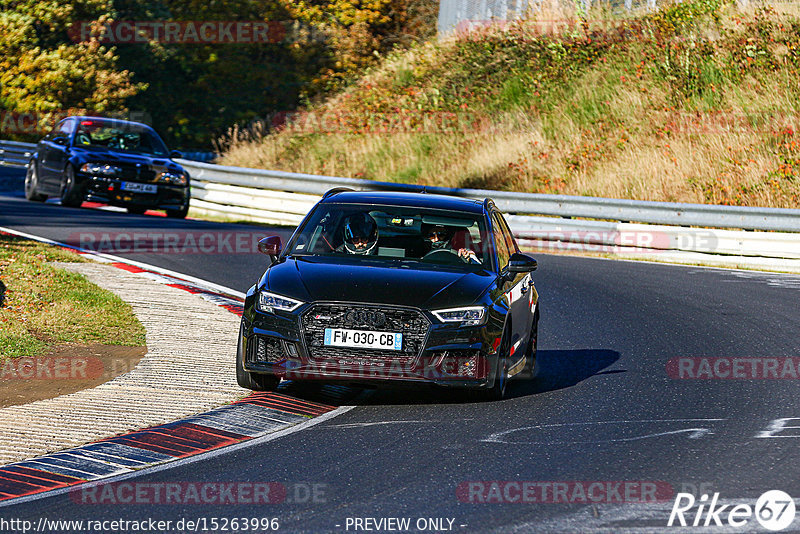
(269, 302)
(469, 316)
(172, 178)
(100, 168)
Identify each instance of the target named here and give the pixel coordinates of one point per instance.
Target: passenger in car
(440, 237)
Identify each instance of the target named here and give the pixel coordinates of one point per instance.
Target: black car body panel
(146, 179)
(309, 279)
(323, 292)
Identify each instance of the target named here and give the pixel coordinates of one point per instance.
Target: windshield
(121, 136)
(392, 234)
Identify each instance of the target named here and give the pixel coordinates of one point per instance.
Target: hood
(409, 284)
(104, 155)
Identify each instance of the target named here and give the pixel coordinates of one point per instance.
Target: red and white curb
(255, 418)
(157, 274)
(257, 415)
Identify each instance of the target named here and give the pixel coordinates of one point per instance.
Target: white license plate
(363, 339)
(135, 187)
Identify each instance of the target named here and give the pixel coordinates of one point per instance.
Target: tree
(42, 71)
(196, 91)
(359, 32)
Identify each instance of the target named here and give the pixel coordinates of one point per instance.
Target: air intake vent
(265, 349)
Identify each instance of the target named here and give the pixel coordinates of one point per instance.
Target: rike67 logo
(774, 510)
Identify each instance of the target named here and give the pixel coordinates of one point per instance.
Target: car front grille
(410, 322)
(131, 173)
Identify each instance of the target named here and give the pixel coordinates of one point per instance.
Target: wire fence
(461, 16)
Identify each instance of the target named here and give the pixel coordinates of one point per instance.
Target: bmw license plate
(135, 187)
(363, 339)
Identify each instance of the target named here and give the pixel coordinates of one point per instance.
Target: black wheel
(136, 210)
(531, 368)
(178, 214)
(69, 190)
(253, 381)
(498, 390)
(32, 183)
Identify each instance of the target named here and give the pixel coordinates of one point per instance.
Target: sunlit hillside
(697, 102)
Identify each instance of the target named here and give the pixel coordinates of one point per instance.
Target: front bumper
(450, 356)
(108, 190)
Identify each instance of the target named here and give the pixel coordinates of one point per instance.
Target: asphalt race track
(605, 408)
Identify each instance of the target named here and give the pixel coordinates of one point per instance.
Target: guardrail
(15, 154)
(282, 197)
(616, 237)
(205, 157)
(277, 197)
(669, 213)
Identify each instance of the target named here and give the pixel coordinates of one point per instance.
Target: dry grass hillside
(697, 102)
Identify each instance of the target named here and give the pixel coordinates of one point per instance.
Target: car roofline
(344, 195)
(109, 119)
(336, 190)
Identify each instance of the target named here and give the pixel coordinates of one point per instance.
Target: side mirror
(271, 246)
(521, 263)
(60, 140)
(176, 154)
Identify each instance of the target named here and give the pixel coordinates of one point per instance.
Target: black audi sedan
(381, 287)
(111, 161)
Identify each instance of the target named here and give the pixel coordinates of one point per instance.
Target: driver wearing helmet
(360, 234)
(438, 238)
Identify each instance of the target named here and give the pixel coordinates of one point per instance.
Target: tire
(69, 190)
(531, 369)
(498, 390)
(252, 381)
(32, 183)
(136, 210)
(178, 214)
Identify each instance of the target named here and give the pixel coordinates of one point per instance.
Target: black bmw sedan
(377, 287)
(110, 161)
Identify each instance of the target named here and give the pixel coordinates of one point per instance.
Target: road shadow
(558, 369)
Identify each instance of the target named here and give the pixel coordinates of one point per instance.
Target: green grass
(46, 306)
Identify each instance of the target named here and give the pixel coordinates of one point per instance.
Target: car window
(503, 253)
(394, 233)
(509, 237)
(65, 128)
(62, 129)
(121, 136)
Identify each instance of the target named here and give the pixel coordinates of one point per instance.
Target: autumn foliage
(193, 92)
(40, 71)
